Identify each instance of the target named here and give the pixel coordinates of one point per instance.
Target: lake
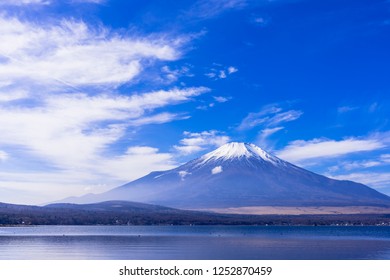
(195, 242)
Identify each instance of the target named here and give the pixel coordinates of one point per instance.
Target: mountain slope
(238, 175)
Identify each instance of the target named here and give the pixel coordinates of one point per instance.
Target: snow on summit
(239, 150)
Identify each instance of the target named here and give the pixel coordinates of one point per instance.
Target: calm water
(194, 242)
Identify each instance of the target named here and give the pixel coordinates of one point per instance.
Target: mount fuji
(240, 175)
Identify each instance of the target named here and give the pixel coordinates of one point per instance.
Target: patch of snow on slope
(183, 174)
(216, 170)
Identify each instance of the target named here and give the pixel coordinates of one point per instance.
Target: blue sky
(96, 93)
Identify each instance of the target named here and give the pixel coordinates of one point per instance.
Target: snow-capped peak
(239, 150)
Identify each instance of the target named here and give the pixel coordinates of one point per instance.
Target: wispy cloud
(269, 120)
(172, 75)
(283, 117)
(260, 20)
(300, 151)
(140, 160)
(219, 72)
(221, 99)
(269, 116)
(348, 165)
(60, 105)
(232, 70)
(346, 109)
(74, 53)
(351, 165)
(262, 139)
(269, 131)
(44, 2)
(205, 9)
(41, 62)
(61, 121)
(372, 179)
(39, 187)
(158, 119)
(199, 141)
(24, 2)
(7, 95)
(3, 156)
(385, 158)
(216, 99)
(89, 1)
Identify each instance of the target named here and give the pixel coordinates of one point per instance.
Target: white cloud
(216, 170)
(385, 158)
(189, 149)
(372, 179)
(269, 109)
(172, 75)
(205, 9)
(3, 156)
(75, 54)
(136, 162)
(62, 131)
(89, 1)
(269, 120)
(252, 120)
(162, 98)
(288, 116)
(265, 133)
(221, 99)
(259, 20)
(361, 164)
(24, 2)
(44, 2)
(59, 105)
(196, 142)
(299, 151)
(373, 107)
(217, 99)
(220, 72)
(263, 136)
(52, 110)
(211, 75)
(350, 165)
(35, 187)
(211, 137)
(269, 116)
(232, 69)
(346, 109)
(12, 95)
(101, 174)
(205, 107)
(157, 119)
(334, 168)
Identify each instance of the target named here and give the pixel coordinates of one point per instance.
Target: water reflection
(165, 247)
(145, 243)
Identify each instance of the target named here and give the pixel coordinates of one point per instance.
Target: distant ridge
(241, 175)
(130, 213)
